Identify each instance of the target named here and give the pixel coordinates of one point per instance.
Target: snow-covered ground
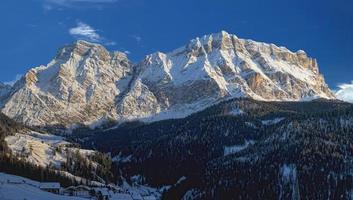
(236, 111)
(42, 149)
(236, 148)
(19, 188)
(272, 121)
(142, 192)
(288, 182)
(122, 159)
(250, 124)
(50, 150)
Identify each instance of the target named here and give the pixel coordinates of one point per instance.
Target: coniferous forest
(238, 149)
(311, 142)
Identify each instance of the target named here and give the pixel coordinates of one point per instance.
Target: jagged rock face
(262, 71)
(78, 86)
(221, 66)
(85, 83)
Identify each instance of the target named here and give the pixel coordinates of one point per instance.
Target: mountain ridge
(86, 84)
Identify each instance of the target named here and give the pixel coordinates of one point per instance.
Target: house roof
(49, 185)
(80, 187)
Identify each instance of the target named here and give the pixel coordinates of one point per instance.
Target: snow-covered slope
(18, 188)
(42, 149)
(78, 86)
(86, 84)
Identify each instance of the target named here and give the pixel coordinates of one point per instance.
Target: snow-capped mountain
(86, 84)
(79, 85)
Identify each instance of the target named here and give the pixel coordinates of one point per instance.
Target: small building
(52, 187)
(78, 191)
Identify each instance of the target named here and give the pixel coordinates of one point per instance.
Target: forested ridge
(315, 137)
(238, 149)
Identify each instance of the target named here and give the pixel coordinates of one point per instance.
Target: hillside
(231, 149)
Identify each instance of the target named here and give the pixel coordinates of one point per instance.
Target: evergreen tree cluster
(314, 136)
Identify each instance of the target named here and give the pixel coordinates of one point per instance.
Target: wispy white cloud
(127, 52)
(345, 92)
(85, 31)
(12, 82)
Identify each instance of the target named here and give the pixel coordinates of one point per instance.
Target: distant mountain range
(87, 85)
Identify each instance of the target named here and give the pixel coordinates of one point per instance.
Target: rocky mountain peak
(207, 43)
(83, 49)
(79, 85)
(87, 84)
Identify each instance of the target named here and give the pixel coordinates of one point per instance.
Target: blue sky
(33, 30)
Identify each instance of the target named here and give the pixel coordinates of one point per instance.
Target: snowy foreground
(50, 150)
(18, 188)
